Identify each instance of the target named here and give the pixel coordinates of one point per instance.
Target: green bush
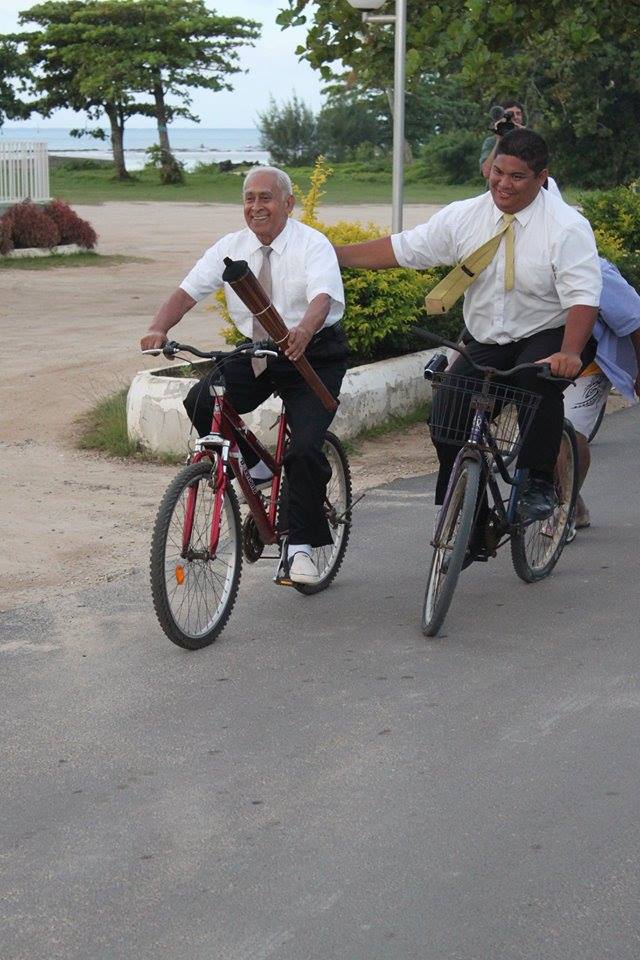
(615, 218)
(449, 158)
(617, 212)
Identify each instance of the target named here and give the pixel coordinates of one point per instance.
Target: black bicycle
(489, 419)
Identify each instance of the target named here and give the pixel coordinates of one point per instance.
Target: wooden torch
(245, 284)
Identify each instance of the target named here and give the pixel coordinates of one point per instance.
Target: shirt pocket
(295, 287)
(535, 277)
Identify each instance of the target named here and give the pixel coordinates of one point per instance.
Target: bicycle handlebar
(260, 348)
(544, 369)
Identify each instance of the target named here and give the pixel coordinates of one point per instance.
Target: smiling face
(266, 207)
(513, 183)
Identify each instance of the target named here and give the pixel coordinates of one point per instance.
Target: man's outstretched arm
(171, 311)
(372, 255)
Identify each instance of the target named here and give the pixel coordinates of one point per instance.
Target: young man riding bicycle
(297, 267)
(532, 277)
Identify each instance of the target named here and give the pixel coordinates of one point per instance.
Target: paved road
(323, 783)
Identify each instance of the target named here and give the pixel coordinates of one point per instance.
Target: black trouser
(306, 466)
(542, 443)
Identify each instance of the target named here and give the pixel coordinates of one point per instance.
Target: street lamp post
(400, 21)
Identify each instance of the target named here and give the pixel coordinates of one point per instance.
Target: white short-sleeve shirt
(555, 257)
(303, 265)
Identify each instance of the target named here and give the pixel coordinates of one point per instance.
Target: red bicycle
(199, 537)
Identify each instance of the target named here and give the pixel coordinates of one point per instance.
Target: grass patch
(97, 185)
(104, 428)
(88, 259)
(394, 424)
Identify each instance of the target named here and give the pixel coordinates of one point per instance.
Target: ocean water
(191, 145)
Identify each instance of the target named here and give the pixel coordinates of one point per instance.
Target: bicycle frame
(222, 440)
(480, 435)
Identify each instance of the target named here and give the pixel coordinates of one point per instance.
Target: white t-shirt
(303, 265)
(555, 256)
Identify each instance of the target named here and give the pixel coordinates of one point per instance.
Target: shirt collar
(522, 216)
(278, 244)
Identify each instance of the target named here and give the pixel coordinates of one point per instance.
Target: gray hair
(282, 179)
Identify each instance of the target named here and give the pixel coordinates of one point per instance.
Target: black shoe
(538, 500)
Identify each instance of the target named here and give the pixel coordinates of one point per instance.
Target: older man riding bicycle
(297, 267)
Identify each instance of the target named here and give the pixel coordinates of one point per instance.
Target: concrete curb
(370, 395)
(45, 251)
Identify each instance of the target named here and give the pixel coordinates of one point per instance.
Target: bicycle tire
(536, 548)
(454, 538)
(598, 423)
(193, 597)
(328, 559)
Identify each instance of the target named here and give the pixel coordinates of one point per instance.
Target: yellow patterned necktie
(450, 289)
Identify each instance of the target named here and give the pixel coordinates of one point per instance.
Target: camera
(502, 121)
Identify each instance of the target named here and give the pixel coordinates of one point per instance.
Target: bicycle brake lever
(170, 349)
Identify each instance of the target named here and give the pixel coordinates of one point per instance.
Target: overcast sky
(272, 68)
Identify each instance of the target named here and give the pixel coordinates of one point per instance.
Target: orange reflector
(180, 575)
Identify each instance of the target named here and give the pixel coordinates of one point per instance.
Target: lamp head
(365, 5)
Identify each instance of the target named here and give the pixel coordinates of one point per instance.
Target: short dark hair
(525, 145)
(512, 103)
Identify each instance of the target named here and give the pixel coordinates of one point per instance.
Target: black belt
(326, 333)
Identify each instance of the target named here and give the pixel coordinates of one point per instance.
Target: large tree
(289, 132)
(170, 47)
(69, 69)
(123, 57)
(13, 74)
(575, 62)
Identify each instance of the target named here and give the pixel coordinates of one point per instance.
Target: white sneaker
(302, 569)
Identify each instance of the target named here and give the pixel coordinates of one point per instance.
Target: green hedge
(615, 218)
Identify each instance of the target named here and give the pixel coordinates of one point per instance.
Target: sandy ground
(70, 336)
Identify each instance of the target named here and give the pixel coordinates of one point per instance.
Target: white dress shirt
(556, 263)
(303, 265)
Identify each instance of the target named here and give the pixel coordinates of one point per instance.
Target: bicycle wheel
(193, 594)
(451, 547)
(328, 559)
(536, 547)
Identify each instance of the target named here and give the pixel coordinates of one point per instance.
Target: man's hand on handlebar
(565, 365)
(153, 341)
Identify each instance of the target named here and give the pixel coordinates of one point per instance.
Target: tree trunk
(170, 169)
(116, 120)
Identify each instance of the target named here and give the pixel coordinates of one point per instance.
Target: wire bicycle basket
(456, 399)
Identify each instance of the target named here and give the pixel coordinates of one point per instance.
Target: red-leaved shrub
(6, 243)
(72, 228)
(30, 226)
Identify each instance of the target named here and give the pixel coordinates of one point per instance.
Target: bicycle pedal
(282, 578)
(283, 582)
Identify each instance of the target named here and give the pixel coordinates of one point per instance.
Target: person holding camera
(504, 118)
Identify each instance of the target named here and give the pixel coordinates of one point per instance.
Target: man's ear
(542, 176)
(290, 203)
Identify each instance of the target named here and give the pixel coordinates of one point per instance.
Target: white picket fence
(24, 171)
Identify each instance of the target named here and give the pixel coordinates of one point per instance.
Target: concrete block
(370, 394)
